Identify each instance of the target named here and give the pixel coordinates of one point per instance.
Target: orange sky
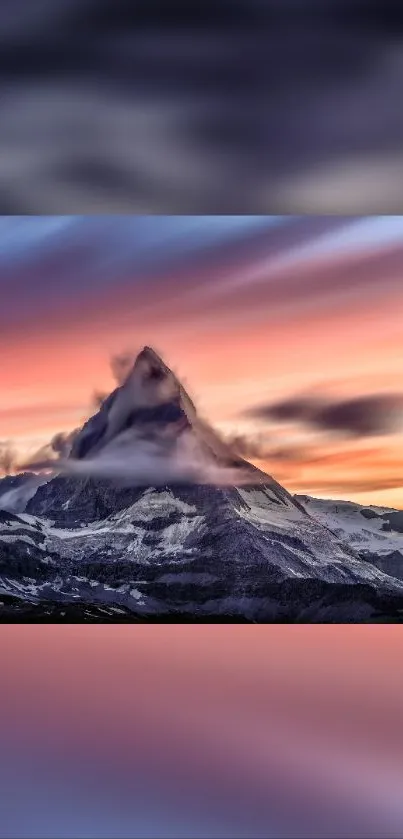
(239, 334)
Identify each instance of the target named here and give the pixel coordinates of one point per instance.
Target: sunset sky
(287, 331)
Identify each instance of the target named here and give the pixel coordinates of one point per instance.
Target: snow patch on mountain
(375, 533)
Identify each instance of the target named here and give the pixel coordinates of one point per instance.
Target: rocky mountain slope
(374, 533)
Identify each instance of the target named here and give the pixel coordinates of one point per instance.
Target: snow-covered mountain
(213, 538)
(375, 533)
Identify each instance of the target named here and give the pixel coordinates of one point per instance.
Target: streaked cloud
(364, 416)
(154, 112)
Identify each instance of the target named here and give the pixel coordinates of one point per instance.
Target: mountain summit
(152, 416)
(150, 396)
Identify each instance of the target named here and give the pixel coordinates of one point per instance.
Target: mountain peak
(149, 354)
(149, 400)
(151, 365)
(152, 405)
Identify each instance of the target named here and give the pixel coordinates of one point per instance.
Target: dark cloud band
(365, 416)
(153, 110)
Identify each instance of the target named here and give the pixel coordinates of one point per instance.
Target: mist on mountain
(147, 432)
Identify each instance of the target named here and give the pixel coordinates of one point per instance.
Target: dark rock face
(14, 481)
(368, 513)
(393, 521)
(186, 553)
(69, 501)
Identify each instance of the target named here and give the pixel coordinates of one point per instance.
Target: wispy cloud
(131, 460)
(364, 416)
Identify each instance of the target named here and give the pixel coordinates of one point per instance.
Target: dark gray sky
(248, 106)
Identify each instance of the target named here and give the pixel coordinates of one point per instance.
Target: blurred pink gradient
(262, 730)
